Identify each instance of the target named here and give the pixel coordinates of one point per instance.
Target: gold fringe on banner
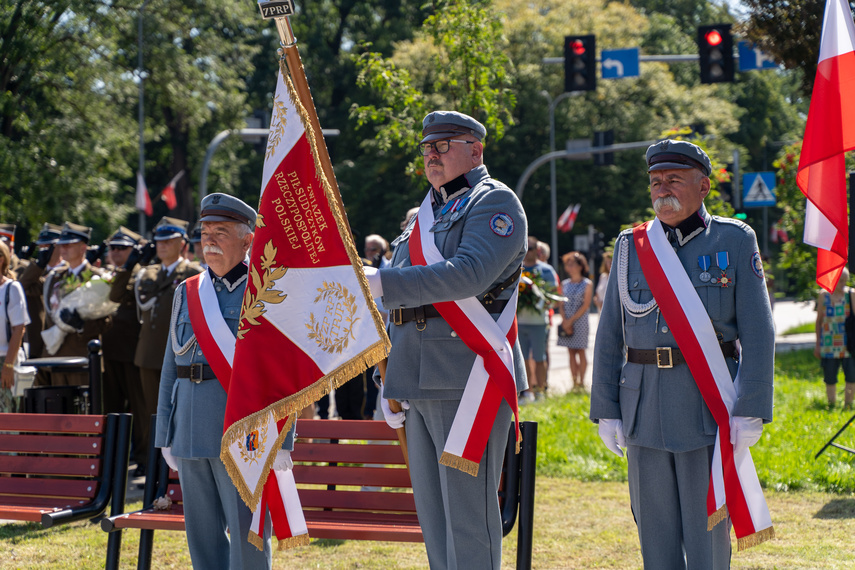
(293, 542)
(755, 539)
(459, 463)
(717, 517)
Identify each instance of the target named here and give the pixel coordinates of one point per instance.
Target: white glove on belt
(394, 420)
(744, 432)
(169, 458)
(283, 461)
(374, 283)
(611, 432)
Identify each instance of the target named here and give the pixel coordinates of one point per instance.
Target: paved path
(787, 314)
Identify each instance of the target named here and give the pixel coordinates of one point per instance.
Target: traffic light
(604, 138)
(580, 65)
(715, 48)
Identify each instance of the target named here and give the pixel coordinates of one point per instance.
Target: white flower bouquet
(89, 297)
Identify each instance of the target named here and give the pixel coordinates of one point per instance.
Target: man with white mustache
(154, 287)
(648, 379)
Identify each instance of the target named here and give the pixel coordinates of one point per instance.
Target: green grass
(801, 329)
(568, 445)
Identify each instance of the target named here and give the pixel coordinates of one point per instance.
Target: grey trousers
(212, 506)
(459, 514)
(668, 492)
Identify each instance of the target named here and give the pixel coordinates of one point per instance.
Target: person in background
(13, 319)
(831, 312)
(574, 312)
(197, 254)
(603, 281)
(7, 236)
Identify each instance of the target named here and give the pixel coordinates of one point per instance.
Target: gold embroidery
(262, 290)
(334, 331)
(277, 128)
(254, 445)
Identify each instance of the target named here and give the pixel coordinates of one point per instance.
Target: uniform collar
(688, 228)
(459, 185)
(233, 278)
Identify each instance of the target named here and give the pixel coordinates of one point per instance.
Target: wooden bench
(60, 468)
(333, 460)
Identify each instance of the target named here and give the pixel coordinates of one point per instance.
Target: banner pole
(291, 55)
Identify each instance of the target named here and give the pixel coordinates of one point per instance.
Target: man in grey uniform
(192, 403)
(644, 396)
(480, 230)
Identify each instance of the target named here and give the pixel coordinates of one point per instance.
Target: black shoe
(139, 471)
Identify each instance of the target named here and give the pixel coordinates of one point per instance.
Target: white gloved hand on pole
(169, 458)
(283, 461)
(611, 432)
(744, 432)
(394, 420)
(374, 283)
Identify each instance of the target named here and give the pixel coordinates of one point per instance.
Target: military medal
(704, 263)
(722, 260)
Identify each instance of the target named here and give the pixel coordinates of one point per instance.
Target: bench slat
(359, 500)
(370, 476)
(59, 423)
(348, 453)
(28, 443)
(47, 465)
(355, 429)
(19, 486)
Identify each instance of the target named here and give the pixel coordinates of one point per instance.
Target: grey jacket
(434, 363)
(662, 408)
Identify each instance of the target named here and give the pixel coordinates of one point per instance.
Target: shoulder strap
(6, 307)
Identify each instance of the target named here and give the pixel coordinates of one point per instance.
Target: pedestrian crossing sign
(758, 189)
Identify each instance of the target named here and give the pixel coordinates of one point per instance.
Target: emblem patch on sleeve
(757, 264)
(502, 225)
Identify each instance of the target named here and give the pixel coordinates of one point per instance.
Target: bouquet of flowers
(536, 293)
(88, 296)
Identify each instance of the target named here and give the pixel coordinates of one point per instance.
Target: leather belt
(196, 372)
(420, 314)
(667, 357)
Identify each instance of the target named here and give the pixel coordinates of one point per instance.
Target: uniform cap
(220, 207)
(73, 233)
(124, 237)
(446, 124)
(670, 154)
(196, 236)
(170, 228)
(50, 234)
(7, 233)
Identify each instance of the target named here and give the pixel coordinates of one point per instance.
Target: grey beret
(670, 154)
(225, 208)
(445, 124)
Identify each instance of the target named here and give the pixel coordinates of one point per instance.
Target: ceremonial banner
(829, 133)
(734, 487)
(308, 322)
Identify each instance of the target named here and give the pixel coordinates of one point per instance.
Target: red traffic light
(713, 37)
(578, 47)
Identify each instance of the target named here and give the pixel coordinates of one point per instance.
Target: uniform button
(454, 334)
(200, 353)
(664, 329)
(623, 380)
(635, 284)
(219, 288)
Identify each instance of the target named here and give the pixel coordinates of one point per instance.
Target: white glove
(169, 458)
(611, 432)
(374, 283)
(744, 432)
(394, 420)
(283, 461)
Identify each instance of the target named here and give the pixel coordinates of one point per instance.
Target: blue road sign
(619, 63)
(750, 57)
(758, 189)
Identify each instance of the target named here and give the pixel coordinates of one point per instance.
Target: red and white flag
(143, 201)
(168, 194)
(568, 218)
(308, 322)
(829, 133)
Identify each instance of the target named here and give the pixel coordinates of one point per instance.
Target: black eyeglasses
(439, 146)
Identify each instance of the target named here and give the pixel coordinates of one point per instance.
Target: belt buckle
(398, 316)
(662, 351)
(197, 372)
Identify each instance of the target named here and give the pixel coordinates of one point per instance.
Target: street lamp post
(141, 114)
(552, 190)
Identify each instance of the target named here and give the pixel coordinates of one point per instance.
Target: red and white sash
(734, 486)
(491, 378)
(217, 342)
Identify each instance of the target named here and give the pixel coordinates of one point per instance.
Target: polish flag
(168, 194)
(568, 218)
(143, 200)
(829, 133)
